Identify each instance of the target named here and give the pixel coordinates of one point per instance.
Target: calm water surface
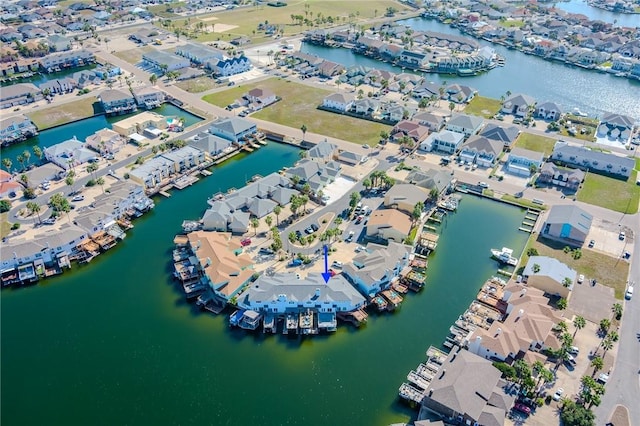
(593, 13)
(115, 342)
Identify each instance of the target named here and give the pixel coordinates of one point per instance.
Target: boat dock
(420, 379)
(357, 317)
(491, 294)
(393, 298)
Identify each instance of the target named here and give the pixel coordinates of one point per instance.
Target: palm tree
(7, 163)
(255, 222)
(597, 363)
(605, 324)
(277, 210)
(417, 211)
(304, 130)
(100, 181)
(617, 310)
(579, 323)
(69, 180)
(20, 159)
(268, 220)
(34, 208)
(38, 152)
(153, 79)
(24, 179)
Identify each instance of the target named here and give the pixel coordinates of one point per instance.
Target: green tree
(7, 163)
(536, 268)
(5, 206)
(34, 207)
(100, 181)
(37, 152)
(605, 324)
(27, 156)
(417, 211)
(268, 220)
(573, 414)
(354, 199)
(562, 304)
(277, 210)
(70, 181)
(304, 131)
(617, 311)
(579, 323)
(597, 363)
(153, 79)
(255, 222)
(20, 160)
(24, 179)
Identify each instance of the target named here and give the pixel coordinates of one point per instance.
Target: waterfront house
(528, 327)
(285, 294)
(567, 224)
(366, 106)
(316, 174)
(152, 172)
(433, 122)
(468, 389)
(463, 123)
(85, 78)
(229, 66)
(459, 93)
(45, 172)
(19, 94)
(68, 59)
(8, 186)
(199, 54)
(409, 128)
(521, 161)
(222, 217)
(374, 269)
(594, 161)
(121, 197)
(548, 111)
(481, 151)
(549, 275)
(616, 127)
(518, 104)
(415, 60)
(323, 152)
(105, 141)
(350, 158)
(430, 179)
(388, 225)
(426, 90)
(258, 98)
(16, 128)
(404, 196)
(564, 177)
(107, 71)
(212, 145)
(58, 43)
(235, 129)
(46, 247)
(329, 69)
(342, 102)
(443, 141)
(183, 159)
(59, 85)
(506, 135)
(162, 61)
(139, 122)
(117, 102)
(69, 154)
(148, 97)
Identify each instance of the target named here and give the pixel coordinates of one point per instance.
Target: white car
(483, 185)
(336, 264)
(558, 394)
(580, 279)
(629, 293)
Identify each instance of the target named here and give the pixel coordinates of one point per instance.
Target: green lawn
(605, 269)
(523, 202)
(65, 113)
(298, 106)
(485, 107)
(162, 9)
(197, 85)
(5, 226)
(511, 23)
(611, 193)
(535, 143)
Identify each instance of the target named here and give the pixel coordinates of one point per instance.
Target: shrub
(5, 206)
(90, 183)
(127, 176)
(15, 226)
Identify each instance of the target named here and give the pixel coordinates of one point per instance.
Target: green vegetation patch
(485, 107)
(133, 56)
(611, 193)
(166, 10)
(5, 226)
(536, 143)
(65, 113)
(511, 23)
(605, 269)
(197, 85)
(298, 106)
(523, 202)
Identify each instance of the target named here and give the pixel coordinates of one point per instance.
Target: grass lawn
(523, 202)
(611, 193)
(65, 113)
(606, 270)
(298, 106)
(535, 143)
(5, 226)
(511, 23)
(161, 9)
(244, 21)
(197, 85)
(133, 56)
(485, 107)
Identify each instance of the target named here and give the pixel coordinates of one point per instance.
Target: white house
(463, 123)
(521, 160)
(518, 105)
(69, 154)
(549, 111)
(443, 141)
(339, 101)
(16, 128)
(152, 172)
(184, 158)
(481, 151)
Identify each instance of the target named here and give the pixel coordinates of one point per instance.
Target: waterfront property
(72, 58)
(548, 111)
(234, 129)
(430, 179)
(211, 145)
(518, 104)
(405, 196)
(184, 158)
(481, 151)
(16, 128)
(69, 154)
(105, 141)
(19, 94)
(116, 102)
(139, 123)
(591, 160)
(549, 275)
(567, 224)
(388, 225)
(152, 173)
(617, 127)
(522, 161)
(317, 174)
(148, 97)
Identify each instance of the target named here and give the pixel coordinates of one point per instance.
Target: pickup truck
(295, 262)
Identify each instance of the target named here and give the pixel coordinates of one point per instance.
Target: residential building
(616, 126)
(506, 135)
(414, 60)
(549, 111)
(152, 173)
(221, 217)
(518, 104)
(445, 141)
(594, 161)
(463, 123)
(522, 161)
(122, 196)
(366, 106)
(323, 152)
(404, 196)
(342, 102)
(433, 122)
(351, 158)
(199, 54)
(549, 275)
(313, 173)
(459, 93)
(389, 225)
(568, 224)
(148, 97)
(184, 158)
(59, 85)
(430, 179)
(16, 128)
(374, 269)
(164, 61)
(68, 59)
(69, 154)
(468, 390)
(211, 145)
(229, 66)
(235, 129)
(19, 94)
(139, 122)
(551, 174)
(105, 141)
(481, 151)
(117, 102)
(8, 186)
(416, 131)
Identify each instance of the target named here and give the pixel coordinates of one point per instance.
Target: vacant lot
(244, 21)
(65, 113)
(485, 107)
(606, 270)
(197, 85)
(611, 193)
(133, 56)
(299, 106)
(5, 226)
(536, 143)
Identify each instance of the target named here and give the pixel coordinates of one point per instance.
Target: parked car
(314, 227)
(336, 264)
(295, 262)
(621, 235)
(592, 243)
(522, 408)
(309, 230)
(298, 234)
(78, 198)
(483, 185)
(580, 279)
(245, 242)
(558, 395)
(603, 378)
(332, 272)
(266, 251)
(574, 350)
(629, 293)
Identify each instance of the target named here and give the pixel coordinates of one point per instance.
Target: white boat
(579, 113)
(505, 256)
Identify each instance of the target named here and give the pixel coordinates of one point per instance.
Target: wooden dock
(164, 194)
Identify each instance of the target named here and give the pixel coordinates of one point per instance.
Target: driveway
(592, 302)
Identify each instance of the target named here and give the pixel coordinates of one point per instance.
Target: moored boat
(504, 256)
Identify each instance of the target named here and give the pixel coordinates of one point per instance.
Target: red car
(332, 272)
(245, 242)
(522, 408)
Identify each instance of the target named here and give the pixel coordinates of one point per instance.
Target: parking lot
(607, 239)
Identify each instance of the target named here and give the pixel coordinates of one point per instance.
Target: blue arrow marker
(326, 275)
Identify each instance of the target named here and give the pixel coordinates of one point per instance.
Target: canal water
(115, 342)
(596, 14)
(83, 128)
(572, 87)
(40, 78)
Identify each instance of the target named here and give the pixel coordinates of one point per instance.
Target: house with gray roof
(351, 158)
(481, 151)
(152, 172)
(323, 151)
(235, 129)
(69, 153)
(405, 196)
(463, 123)
(468, 389)
(433, 122)
(549, 275)
(211, 145)
(568, 224)
(19, 94)
(260, 207)
(221, 217)
(315, 174)
(430, 179)
(161, 60)
(521, 161)
(446, 141)
(593, 161)
(342, 102)
(548, 111)
(198, 53)
(373, 270)
(518, 104)
(616, 126)
(117, 102)
(506, 135)
(184, 158)
(564, 177)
